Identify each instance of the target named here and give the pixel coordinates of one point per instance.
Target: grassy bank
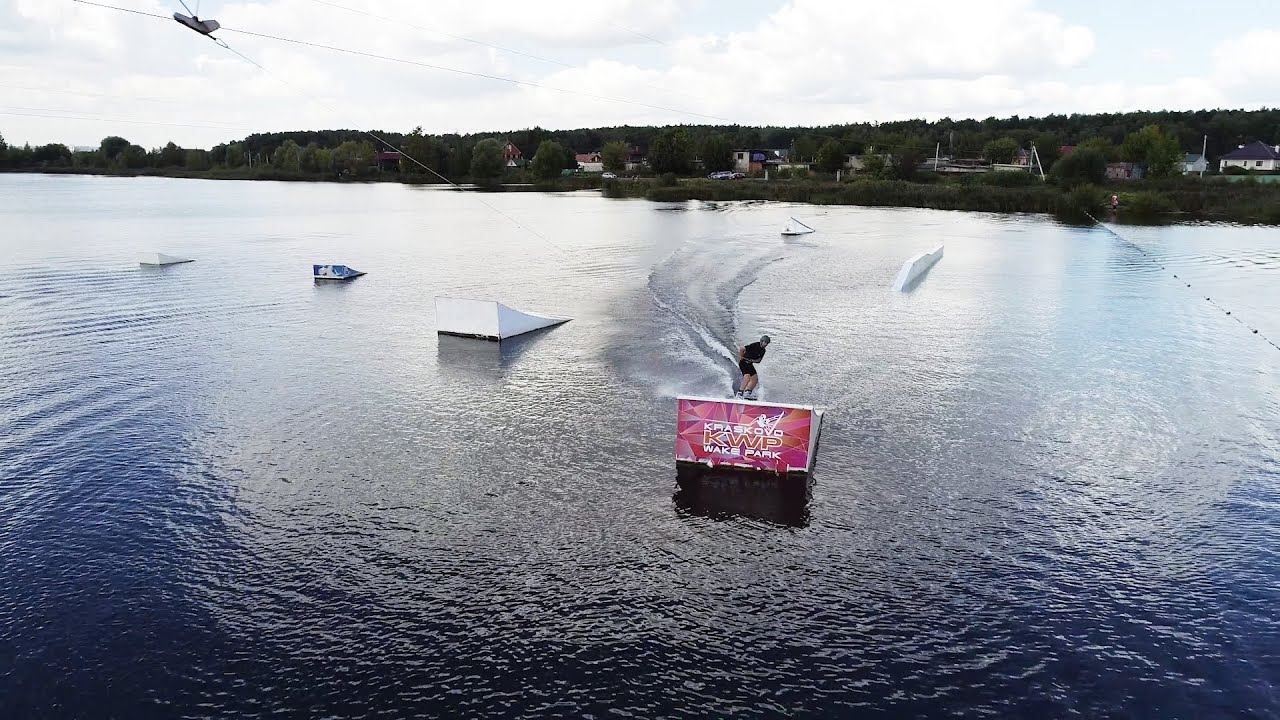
(1146, 202)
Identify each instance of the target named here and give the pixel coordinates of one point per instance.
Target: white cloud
(807, 62)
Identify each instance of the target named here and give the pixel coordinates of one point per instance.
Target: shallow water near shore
(1047, 484)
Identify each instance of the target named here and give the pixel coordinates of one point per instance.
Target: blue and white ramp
(334, 272)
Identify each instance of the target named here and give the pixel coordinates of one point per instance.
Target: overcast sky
(74, 73)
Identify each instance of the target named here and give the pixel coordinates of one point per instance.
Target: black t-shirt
(754, 352)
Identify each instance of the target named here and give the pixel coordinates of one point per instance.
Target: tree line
(1157, 139)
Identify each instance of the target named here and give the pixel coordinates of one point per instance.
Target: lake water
(1048, 483)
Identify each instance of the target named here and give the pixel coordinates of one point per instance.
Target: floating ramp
(914, 268)
(161, 259)
(795, 227)
(334, 272)
(487, 319)
(758, 436)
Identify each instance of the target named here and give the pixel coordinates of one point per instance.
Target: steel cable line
(481, 43)
(430, 66)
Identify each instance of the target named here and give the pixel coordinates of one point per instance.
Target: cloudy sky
(73, 73)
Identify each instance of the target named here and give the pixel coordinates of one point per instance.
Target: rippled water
(1048, 482)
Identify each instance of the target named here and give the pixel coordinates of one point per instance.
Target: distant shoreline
(582, 182)
(1145, 202)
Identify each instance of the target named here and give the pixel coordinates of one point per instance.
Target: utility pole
(1035, 155)
(937, 150)
(1204, 161)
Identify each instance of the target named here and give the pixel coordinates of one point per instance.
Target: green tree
(1161, 152)
(570, 158)
(198, 160)
(87, 159)
(830, 157)
(549, 160)
(1001, 150)
(905, 155)
(1085, 166)
(133, 157)
(4, 152)
(51, 155)
(805, 148)
(324, 160)
(112, 146)
(459, 159)
(288, 157)
(670, 152)
(874, 166)
(353, 157)
(1110, 153)
(487, 162)
(235, 155)
(717, 153)
(171, 156)
(1048, 147)
(614, 157)
(424, 149)
(307, 158)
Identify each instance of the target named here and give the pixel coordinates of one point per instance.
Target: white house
(1194, 164)
(1256, 156)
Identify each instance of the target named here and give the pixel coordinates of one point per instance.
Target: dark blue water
(1048, 482)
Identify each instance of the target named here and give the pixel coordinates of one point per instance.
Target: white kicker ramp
(160, 259)
(486, 319)
(915, 267)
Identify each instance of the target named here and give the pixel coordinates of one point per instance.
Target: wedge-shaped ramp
(487, 319)
(161, 259)
(334, 272)
(914, 268)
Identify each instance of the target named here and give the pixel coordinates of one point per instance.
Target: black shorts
(747, 367)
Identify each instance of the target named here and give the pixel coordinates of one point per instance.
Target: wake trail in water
(700, 286)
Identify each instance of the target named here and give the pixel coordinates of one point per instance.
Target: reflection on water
(725, 493)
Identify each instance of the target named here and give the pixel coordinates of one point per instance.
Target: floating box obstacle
(795, 227)
(765, 437)
(161, 259)
(487, 319)
(915, 267)
(334, 272)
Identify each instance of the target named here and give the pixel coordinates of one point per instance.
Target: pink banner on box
(773, 438)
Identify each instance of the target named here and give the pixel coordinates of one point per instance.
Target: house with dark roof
(1256, 156)
(756, 161)
(636, 159)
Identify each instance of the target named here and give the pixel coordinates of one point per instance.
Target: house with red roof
(512, 155)
(590, 162)
(387, 159)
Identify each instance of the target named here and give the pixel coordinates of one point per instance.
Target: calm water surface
(1048, 485)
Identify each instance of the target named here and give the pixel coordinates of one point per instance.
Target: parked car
(608, 176)
(723, 175)
(739, 176)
